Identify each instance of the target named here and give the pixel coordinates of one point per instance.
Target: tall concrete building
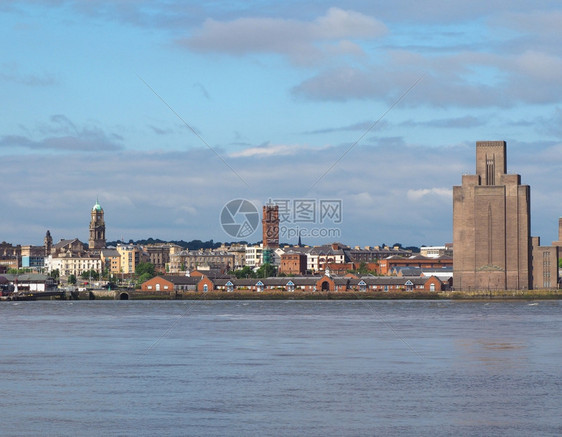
(97, 228)
(491, 225)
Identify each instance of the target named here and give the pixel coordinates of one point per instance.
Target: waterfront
(309, 368)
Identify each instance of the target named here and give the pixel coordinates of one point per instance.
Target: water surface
(233, 368)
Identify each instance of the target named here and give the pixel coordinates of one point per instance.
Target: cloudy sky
(167, 110)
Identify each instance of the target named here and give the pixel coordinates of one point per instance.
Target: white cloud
(267, 150)
(421, 193)
(303, 41)
(384, 190)
(12, 73)
(540, 66)
(61, 134)
(468, 79)
(339, 23)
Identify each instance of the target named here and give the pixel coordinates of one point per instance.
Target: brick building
(293, 263)
(186, 261)
(159, 254)
(323, 283)
(270, 223)
(389, 265)
(491, 225)
(545, 265)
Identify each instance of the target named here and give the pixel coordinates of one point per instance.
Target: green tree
(266, 270)
(105, 274)
(90, 274)
(244, 272)
(19, 271)
(72, 279)
(143, 278)
(143, 269)
(363, 268)
(55, 274)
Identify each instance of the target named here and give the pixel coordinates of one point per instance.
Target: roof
(63, 243)
(214, 273)
(300, 281)
(182, 280)
(298, 249)
(410, 271)
(27, 277)
(390, 280)
(444, 269)
(419, 257)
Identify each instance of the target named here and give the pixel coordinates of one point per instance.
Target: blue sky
(99, 99)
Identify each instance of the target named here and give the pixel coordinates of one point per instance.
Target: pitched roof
(28, 277)
(410, 271)
(182, 280)
(63, 243)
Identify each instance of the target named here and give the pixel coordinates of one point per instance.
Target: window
(546, 269)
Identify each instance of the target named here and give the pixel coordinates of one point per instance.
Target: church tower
(48, 243)
(97, 228)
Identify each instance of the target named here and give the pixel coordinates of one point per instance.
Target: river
(281, 368)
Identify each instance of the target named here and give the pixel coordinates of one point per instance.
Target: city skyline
(278, 96)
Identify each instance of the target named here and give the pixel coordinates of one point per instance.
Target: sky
(166, 111)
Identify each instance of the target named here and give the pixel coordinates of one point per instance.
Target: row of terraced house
(177, 285)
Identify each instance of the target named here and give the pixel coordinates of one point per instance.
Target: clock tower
(97, 228)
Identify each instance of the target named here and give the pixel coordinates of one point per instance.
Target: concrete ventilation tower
(491, 225)
(97, 228)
